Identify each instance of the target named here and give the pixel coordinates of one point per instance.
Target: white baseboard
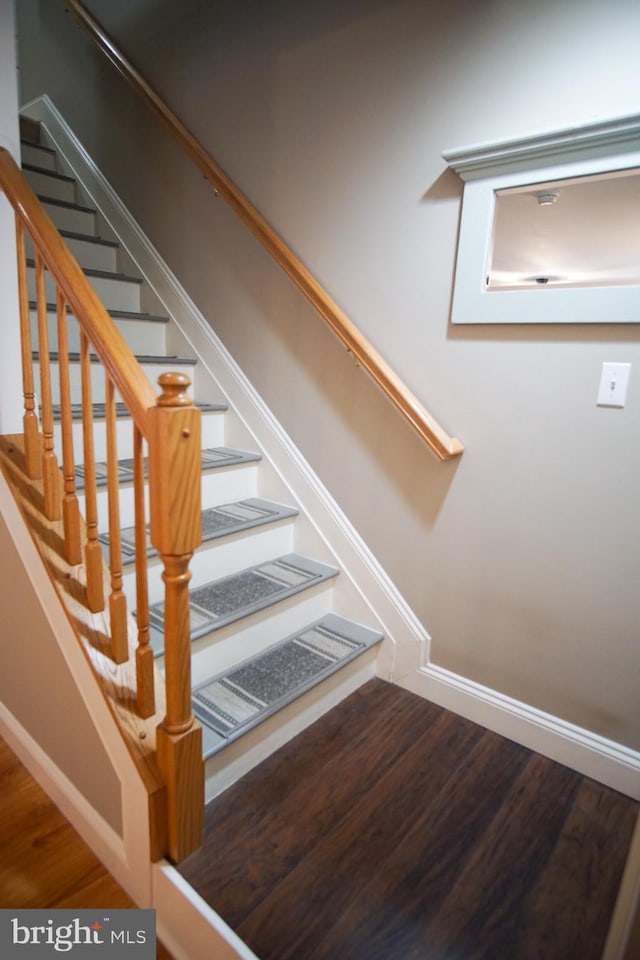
(588, 753)
(406, 643)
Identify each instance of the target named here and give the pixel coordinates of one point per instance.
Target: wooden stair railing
(170, 427)
(443, 446)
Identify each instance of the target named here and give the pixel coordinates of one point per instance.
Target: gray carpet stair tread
(211, 458)
(221, 602)
(93, 272)
(68, 204)
(217, 522)
(115, 314)
(34, 143)
(121, 410)
(233, 702)
(87, 237)
(164, 359)
(32, 168)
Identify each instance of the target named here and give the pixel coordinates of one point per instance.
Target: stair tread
(74, 235)
(140, 357)
(114, 314)
(32, 168)
(38, 146)
(233, 702)
(121, 410)
(219, 521)
(105, 274)
(229, 599)
(55, 202)
(211, 458)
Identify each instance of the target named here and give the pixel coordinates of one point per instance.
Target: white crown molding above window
(538, 160)
(608, 137)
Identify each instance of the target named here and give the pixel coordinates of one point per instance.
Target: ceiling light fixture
(546, 198)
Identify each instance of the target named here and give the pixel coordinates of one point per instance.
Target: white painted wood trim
(405, 655)
(196, 932)
(588, 753)
(619, 135)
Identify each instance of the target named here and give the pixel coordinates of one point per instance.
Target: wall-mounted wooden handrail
(108, 343)
(444, 446)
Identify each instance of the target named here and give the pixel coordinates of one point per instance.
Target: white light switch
(613, 384)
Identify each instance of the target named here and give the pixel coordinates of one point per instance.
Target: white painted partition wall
(10, 384)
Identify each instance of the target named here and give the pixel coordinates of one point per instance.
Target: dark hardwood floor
(395, 830)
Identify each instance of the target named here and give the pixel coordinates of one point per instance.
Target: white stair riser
(69, 218)
(125, 505)
(227, 484)
(47, 186)
(37, 157)
(212, 434)
(142, 336)
(92, 256)
(248, 751)
(212, 494)
(151, 370)
(114, 294)
(219, 558)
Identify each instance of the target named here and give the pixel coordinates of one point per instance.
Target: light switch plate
(614, 381)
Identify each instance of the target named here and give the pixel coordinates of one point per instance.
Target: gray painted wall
(522, 559)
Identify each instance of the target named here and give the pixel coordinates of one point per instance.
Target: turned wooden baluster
(70, 508)
(50, 475)
(174, 486)
(92, 552)
(145, 695)
(117, 599)
(32, 442)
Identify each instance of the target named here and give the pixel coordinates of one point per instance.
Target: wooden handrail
(444, 446)
(107, 341)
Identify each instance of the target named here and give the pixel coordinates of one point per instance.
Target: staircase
(273, 642)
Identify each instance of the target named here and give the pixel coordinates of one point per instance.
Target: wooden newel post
(175, 509)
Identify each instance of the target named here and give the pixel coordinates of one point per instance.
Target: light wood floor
(43, 861)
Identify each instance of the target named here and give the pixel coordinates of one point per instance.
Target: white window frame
(578, 152)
